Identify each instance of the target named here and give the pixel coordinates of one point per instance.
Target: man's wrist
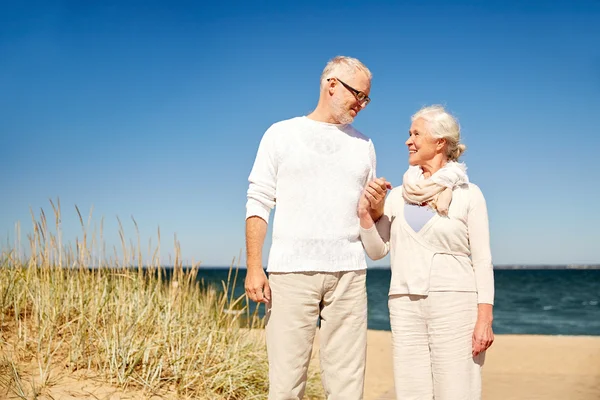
(254, 267)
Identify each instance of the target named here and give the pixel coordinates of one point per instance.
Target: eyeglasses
(360, 96)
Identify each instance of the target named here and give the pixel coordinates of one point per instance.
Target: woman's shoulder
(470, 195)
(394, 200)
(469, 187)
(469, 191)
(395, 194)
(475, 190)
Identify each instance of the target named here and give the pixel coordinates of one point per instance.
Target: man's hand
(257, 285)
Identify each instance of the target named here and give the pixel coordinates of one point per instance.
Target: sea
(554, 301)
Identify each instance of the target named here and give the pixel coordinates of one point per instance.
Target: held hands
(363, 206)
(373, 198)
(375, 192)
(257, 285)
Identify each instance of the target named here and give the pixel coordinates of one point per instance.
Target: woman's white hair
(442, 125)
(345, 66)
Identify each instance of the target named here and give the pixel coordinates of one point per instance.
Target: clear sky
(155, 110)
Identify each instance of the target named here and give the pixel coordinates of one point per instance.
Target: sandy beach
(517, 367)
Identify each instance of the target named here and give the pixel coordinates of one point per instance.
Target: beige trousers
(297, 302)
(432, 344)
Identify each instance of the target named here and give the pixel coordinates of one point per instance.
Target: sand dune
(517, 367)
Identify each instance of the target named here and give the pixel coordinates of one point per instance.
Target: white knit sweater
(315, 173)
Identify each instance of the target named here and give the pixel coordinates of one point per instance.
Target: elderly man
(314, 168)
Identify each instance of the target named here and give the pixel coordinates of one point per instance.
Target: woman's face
(422, 147)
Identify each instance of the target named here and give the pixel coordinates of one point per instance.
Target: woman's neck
(431, 167)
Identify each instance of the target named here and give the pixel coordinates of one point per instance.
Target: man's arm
(257, 284)
(376, 187)
(261, 200)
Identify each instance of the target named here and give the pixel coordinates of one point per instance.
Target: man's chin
(347, 120)
(343, 117)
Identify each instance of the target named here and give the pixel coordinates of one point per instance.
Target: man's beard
(342, 114)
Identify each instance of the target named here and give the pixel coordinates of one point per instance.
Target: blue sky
(155, 110)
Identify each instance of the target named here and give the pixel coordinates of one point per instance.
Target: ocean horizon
(496, 267)
(531, 300)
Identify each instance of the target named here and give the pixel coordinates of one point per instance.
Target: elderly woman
(442, 290)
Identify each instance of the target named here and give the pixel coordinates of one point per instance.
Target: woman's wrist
(362, 212)
(365, 218)
(485, 313)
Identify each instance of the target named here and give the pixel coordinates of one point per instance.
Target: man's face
(345, 102)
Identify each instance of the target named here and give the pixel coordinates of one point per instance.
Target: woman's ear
(441, 143)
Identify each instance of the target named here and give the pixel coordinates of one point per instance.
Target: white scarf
(436, 191)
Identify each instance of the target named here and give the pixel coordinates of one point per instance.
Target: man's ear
(331, 83)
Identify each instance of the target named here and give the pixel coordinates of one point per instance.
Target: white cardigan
(448, 254)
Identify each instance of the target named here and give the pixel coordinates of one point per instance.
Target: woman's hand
(363, 205)
(375, 192)
(364, 212)
(483, 335)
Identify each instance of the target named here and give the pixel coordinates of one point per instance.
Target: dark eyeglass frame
(360, 96)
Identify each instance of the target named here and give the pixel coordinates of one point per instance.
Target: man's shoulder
(351, 130)
(281, 128)
(286, 123)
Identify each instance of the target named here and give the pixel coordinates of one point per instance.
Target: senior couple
(331, 208)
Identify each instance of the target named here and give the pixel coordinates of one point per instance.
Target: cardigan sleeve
(479, 242)
(376, 239)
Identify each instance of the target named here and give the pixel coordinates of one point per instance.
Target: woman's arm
(375, 236)
(479, 242)
(481, 256)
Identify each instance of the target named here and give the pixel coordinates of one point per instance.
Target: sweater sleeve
(373, 159)
(263, 179)
(376, 239)
(479, 241)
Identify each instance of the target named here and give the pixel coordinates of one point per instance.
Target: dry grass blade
(157, 330)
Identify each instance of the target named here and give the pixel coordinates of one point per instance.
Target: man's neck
(321, 115)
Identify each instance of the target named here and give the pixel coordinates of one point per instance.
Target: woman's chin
(412, 162)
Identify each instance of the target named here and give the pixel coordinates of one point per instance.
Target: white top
(315, 172)
(417, 216)
(448, 254)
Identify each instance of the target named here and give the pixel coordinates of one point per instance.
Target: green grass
(72, 308)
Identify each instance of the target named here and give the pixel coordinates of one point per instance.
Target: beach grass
(123, 321)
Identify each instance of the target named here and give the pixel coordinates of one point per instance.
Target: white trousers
(432, 346)
(297, 302)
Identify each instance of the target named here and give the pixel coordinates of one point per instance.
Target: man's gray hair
(345, 66)
(442, 124)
